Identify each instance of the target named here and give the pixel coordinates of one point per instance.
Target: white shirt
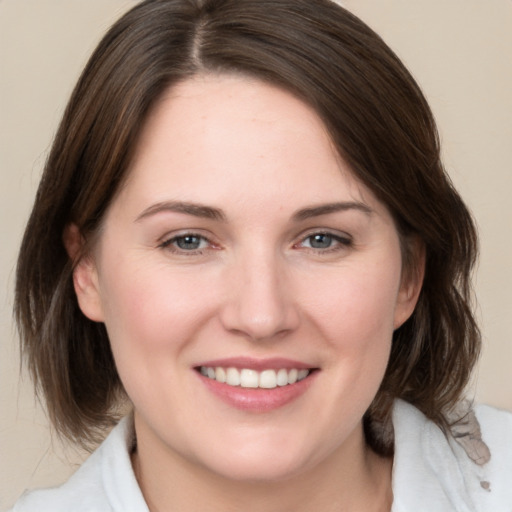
(430, 472)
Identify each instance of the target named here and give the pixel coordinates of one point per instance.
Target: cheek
(359, 305)
(356, 318)
(152, 311)
(152, 318)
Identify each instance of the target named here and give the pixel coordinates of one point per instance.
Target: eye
(320, 241)
(324, 241)
(188, 242)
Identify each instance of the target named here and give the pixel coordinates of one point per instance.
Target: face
(249, 283)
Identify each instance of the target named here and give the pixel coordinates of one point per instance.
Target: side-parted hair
(379, 122)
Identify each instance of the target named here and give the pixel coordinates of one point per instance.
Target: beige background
(460, 52)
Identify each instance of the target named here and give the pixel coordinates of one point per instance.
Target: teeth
(268, 379)
(249, 379)
(246, 378)
(232, 377)
(302, 374)
(220, 374)
(282, 377)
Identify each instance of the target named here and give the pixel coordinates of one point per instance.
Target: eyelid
(344, 239)
(166, 242)
(335, 233)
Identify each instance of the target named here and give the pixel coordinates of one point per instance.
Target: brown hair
(378, 120)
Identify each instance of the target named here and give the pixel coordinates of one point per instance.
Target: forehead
(227, 138)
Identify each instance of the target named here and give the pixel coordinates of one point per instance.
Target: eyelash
(168, 244)
(340, 243)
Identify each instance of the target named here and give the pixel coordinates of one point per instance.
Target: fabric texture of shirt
(431, 473)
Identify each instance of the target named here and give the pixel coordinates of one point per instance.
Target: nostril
(244, 320)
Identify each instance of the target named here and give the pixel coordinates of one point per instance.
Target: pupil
(321, 241)
(188, 242)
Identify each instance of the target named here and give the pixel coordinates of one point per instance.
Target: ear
(85, 274)
(411, 281)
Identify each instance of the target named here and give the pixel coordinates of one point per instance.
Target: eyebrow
(212, 213)
(325, 209)
(197, 210)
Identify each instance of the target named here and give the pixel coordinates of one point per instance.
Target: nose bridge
(259, 302)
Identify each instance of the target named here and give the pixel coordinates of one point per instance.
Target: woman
(244, 230)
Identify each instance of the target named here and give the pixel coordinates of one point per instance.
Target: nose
(259, 303)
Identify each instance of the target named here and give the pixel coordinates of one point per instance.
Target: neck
(352, 478)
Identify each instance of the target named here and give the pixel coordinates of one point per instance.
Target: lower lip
(258, 399)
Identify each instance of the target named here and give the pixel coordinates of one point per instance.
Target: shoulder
(496, 424)
(470, 469)
(105, 482)
(84, 491)
(496, 427)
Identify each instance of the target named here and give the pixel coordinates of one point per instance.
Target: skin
(257, 286)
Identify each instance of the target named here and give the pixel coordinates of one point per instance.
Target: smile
(249, 378)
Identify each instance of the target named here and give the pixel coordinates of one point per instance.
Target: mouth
(254, 379)
(255, 385)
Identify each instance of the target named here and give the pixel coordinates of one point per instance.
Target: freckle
(486, 485)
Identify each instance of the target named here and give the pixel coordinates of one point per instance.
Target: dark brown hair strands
(378, 120)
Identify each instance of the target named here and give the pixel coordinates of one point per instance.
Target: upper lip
(273, 363)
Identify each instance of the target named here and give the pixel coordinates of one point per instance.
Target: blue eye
(320, 241)
(325, 242)
(186, 243)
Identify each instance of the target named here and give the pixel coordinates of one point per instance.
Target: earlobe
(410, 287)
(85, 275)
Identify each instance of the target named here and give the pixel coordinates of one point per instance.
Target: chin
(262, 471)
(258, 463)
